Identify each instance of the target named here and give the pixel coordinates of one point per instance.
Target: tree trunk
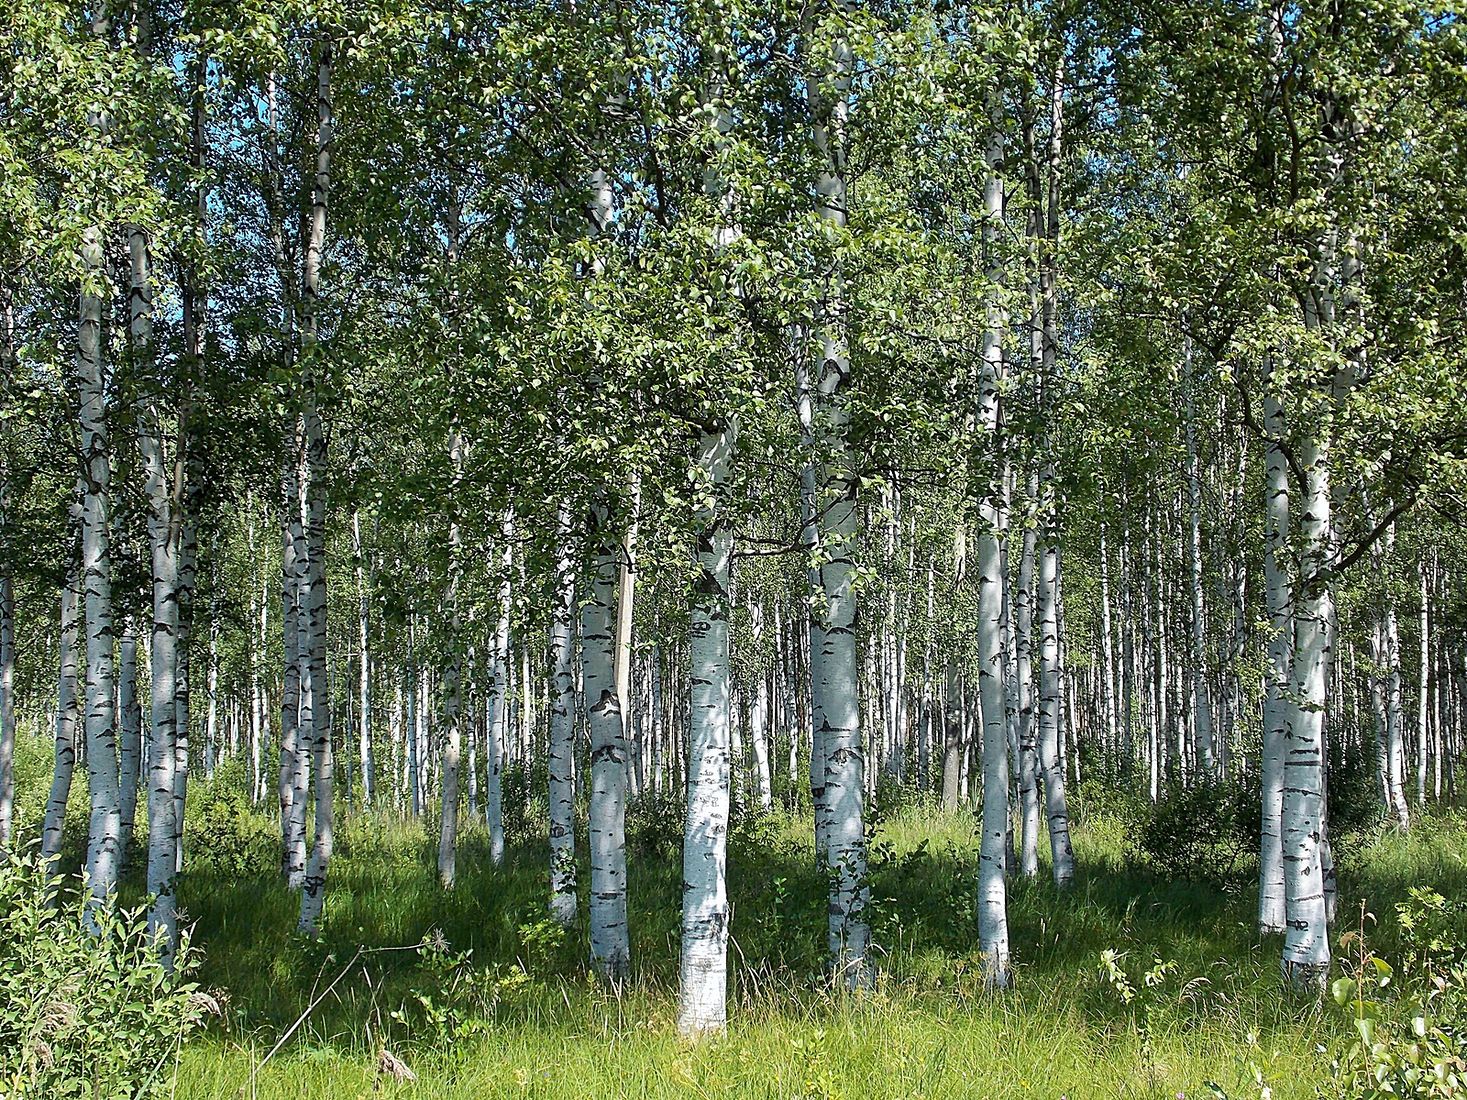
(563, 728)
(992, 900)
(452, 674)
(7, 698)
(610, 946)
(1306, 953)
(834, 666)
(99, 720)
(130, 727)
(1201, 700)
(499, 697)
(313, 513)
(1056, 807)
(1271, 909)
(1028, 721)
(705, 916)
(67, 706)
(364, 680)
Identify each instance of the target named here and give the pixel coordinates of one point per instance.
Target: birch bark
(313, 512)
(1279, 596)
(610, 946)
(705, 917)
(992, 900)
(835, 668)
(130, 735)
(563, 898)
(54, 822)
(452, 670)
(1306, 953)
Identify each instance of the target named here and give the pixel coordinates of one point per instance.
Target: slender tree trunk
(563, 728)
(610, 945)
(67, 713)
(313, 504)
(499, 699)
(182, 726)
(452, 673)
(992, 900)
(1028, 721)
(1056, 807)
(7, 696)
(130, 726)
(952, 730)
(364, 681)
(835, 668)
(1271, 910)
(292, 808)
(99, 719)
(1109, 723)
(1421, 695)
(705, 917)
(1306, 953)
(1201, 699)
(759, 715)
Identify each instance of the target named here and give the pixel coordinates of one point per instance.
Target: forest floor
(497, 1002)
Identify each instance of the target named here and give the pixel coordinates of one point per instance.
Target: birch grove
(754, 430)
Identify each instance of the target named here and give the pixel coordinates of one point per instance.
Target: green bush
(1200, 833)
(224, 832)
(1411, 1018)
(86, 1010)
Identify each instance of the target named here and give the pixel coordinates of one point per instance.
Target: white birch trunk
(1028, 721)
(313, 514)
(1394, 772)
(499, 697)
(992, 900)
(364, 672)
(759, 716)
(1271, 912)
(834, 664)
(1422, 696)
(67, 713)
(1306, 953)
(705, 917)
(182, 727)
(7, 697)
(130, 735)
(1056, 808)
(104, 855)
(1201, 698)
(610, 945)
(563, 898)
(292, 809)
(452, 673)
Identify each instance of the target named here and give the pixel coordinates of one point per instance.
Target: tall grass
(501, 1005)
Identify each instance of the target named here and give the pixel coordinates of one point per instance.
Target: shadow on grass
(384, 896)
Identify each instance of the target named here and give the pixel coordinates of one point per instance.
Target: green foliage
(1200, 832)
(453, 999)
(225, 833)
(86, 1009)
(1410, 1019)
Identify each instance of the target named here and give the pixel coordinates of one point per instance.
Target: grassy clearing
(503, 1007)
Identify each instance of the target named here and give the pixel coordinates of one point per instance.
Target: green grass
(530, 1023)
(526, 1021)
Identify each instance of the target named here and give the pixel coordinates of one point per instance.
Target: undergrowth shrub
(654, 825)
(86, 1010)
(224, 832)
(1200, 833)
(1356, 812)
(1410, 1018)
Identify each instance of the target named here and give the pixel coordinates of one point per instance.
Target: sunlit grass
(1217, 1013)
